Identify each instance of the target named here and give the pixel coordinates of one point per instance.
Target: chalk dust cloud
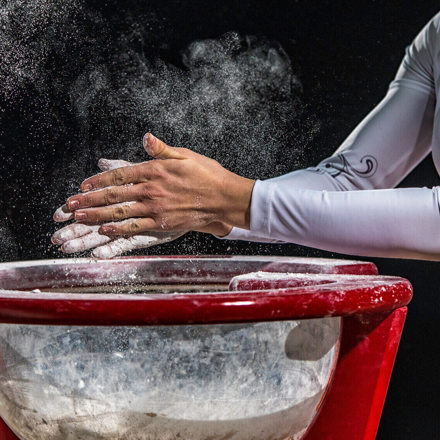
(78, 82)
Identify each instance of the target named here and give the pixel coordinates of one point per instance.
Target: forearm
(399, 223)
(308, 178)
(378, 154)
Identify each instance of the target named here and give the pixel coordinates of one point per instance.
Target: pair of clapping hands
(130, 206)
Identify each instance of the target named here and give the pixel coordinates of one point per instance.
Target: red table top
(322, 289)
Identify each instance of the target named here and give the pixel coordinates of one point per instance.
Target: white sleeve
(399, 223)
(379, 153)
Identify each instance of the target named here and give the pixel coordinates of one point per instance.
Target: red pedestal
(353, 405)
(372, 308)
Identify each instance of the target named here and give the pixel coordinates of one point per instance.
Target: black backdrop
(345, 53)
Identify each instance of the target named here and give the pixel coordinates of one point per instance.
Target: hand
(183, 191)
(78, 237)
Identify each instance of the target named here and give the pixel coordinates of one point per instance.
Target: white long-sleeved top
(323, 206)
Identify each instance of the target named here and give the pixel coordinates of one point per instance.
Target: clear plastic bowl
(194, 381)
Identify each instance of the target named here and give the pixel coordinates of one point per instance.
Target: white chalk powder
(241, 381)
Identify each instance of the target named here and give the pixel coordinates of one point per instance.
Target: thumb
(160, 150)
(112, 164)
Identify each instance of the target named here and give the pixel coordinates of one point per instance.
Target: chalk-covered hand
(183, 191)
(78, 237)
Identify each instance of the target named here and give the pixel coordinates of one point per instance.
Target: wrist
(217, 228)
(237, 195)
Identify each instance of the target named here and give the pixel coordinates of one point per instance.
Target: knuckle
(164, 207)
(110, 196)
(119, 212)
(118, 176)
(151, 166)
(146, 191)
(130, 172)
(155, 168)
(155, 210)
(134, 227)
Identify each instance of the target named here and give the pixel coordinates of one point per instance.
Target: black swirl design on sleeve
(368, 166)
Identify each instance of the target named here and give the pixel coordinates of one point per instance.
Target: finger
(62, 214)
(71, 232)
(121, 245)
(84, 243)
(160, 150)
(108, 196)
(153, 239)
(115, 177)
(112, 164)
(120, 211)
(128, 227)
(115, 247)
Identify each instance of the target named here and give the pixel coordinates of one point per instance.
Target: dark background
(345, 53)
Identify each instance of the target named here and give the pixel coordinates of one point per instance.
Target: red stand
(5, 432)
(372, 308)
(353, 405)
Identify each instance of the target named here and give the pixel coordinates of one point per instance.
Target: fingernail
(103, 164)
(73, 204)
(85, 188)
(149, 141)
(80, 215)
(95, 254)
(146, 137)
(56, 240)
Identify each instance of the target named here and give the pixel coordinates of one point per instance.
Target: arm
(131, 206)
(384, 147)
(399, 223)
(187, 191)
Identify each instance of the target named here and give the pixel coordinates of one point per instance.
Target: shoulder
(434, 23)
(429, 37)
(419, 65)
